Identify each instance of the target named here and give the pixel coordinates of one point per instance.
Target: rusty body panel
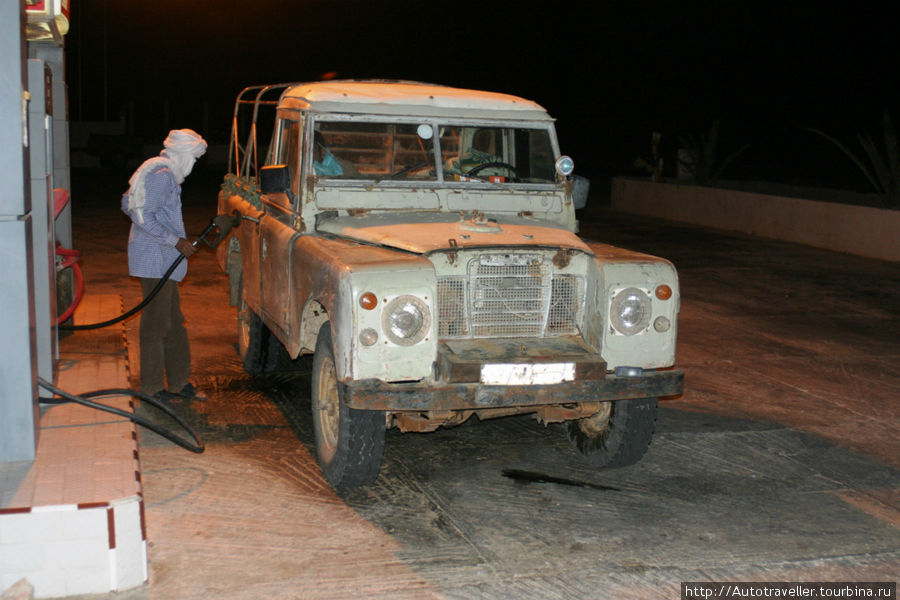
(421, 421)
(460, 361)
(241, 248)
(608, 253)
(424, 233)
(324, 273)
(276, 238)
(377, 395)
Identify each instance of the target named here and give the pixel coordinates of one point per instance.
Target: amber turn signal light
(368, 301)
(663, 292)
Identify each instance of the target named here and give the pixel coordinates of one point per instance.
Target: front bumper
(377, 395)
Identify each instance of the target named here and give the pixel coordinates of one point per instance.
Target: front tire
(349, 442)
(618, 435)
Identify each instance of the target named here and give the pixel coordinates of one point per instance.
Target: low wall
(860, 230)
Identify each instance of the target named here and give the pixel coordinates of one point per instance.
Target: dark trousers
(165, 350)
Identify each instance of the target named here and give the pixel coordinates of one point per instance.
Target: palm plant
(655, 165)
(883, 168)
(702, 150)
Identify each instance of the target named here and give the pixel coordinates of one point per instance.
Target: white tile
(131, 553)
(15, 528)
(73, 554)
(88, 581)
(128, 518)
(54, 508)
(45, 526)
(85, 524)
(19, 558)
(47, 583)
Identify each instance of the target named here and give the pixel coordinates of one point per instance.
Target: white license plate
(527, 374)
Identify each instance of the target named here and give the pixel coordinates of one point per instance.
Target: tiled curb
(72, 522)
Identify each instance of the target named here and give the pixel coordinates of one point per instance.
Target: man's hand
(185, 247)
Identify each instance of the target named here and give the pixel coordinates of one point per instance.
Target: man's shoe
(189, 392)
(165, 396)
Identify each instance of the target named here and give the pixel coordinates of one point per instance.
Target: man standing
(153, 202)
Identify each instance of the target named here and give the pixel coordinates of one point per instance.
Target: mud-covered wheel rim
(328, 405)
(618, 435)
(597, 424)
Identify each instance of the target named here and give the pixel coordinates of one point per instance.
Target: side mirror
(275, 179)
(580, 188)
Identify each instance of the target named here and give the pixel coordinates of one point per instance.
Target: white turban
(181, 150)
(187, 141)
(183, 147)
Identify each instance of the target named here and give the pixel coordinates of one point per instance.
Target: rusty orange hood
(426, 233)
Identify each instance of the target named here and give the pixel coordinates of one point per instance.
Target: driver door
(277, 232)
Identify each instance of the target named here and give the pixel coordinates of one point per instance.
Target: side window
(288, 144)
(535, 160)
(382, 151)
(286, 151)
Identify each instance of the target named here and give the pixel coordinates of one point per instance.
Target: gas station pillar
(19, 405)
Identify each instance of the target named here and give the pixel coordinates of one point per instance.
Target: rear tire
(259, 349)
(252, 339)
(616, 437)
(349, 442)
(274, 353)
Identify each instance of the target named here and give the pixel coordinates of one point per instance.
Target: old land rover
(420, 241)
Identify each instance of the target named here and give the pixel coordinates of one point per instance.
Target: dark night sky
(611, 73)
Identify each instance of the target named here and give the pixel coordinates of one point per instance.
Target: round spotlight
(565, 165)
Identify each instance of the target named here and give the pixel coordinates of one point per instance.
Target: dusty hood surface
(427, 233)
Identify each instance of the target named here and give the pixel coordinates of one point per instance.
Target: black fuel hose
(134, 310)
(196, 446)
(221, 223)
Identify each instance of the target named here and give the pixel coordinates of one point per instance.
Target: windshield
(410, 151)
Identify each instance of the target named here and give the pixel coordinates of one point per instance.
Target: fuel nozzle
(226, 223)
(220, 226)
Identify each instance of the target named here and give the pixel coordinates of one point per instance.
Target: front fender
(334, 274)
(654, 346)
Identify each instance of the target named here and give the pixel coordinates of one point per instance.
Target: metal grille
(509, 295)
(451, 307)
(566, 305)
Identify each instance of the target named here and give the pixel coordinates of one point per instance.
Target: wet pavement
(780, 462)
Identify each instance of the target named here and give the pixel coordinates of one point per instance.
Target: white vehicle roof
(408, 98)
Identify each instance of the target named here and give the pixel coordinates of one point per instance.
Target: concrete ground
(780, 462)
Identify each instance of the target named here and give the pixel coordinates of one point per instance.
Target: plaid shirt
(151, 245)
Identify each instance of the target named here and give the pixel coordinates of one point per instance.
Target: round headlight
(406, 320)
(630, 311)
(565, 165)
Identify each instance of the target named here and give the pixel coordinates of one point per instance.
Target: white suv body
(421, 242)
